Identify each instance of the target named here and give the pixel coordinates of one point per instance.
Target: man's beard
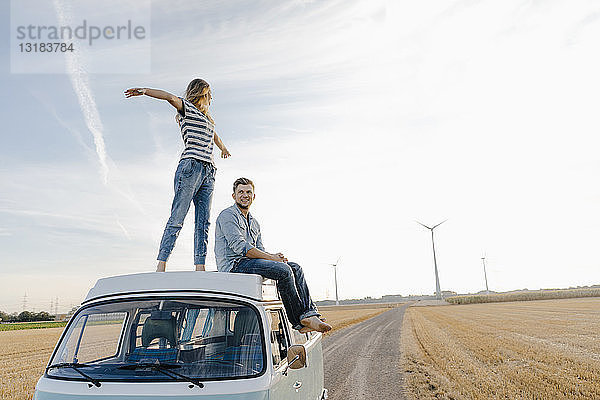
(243, 207)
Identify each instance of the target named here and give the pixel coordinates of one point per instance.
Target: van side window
(279, 339)
(97, 338)
(297, 337)
(195, 325)
(232, 315)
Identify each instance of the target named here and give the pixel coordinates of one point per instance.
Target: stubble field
(345, 315)
(25, 353)
(548, 349)
(23, 357)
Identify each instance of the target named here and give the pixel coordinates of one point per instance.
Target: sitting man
(239, 248)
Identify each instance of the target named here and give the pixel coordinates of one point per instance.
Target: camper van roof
(245, 285)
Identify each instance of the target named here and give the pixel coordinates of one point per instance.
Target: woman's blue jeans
(291, 286)
(194, 181)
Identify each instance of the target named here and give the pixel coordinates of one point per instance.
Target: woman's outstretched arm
(224, 152)
(157, 94)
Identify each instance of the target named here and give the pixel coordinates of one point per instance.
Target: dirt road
(363, 361)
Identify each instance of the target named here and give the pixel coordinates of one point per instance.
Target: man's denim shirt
(234, 236)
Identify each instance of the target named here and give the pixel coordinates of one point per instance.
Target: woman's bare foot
(316, 324)
(161, 266)
(200, 267)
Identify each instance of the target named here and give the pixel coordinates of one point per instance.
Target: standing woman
(195, 175)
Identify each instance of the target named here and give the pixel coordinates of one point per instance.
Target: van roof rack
(250, 286)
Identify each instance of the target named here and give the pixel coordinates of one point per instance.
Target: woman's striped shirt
(197, 133)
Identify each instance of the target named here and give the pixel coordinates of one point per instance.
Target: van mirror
(296, 356)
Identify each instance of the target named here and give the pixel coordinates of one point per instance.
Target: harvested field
(341, 316)
(547, 349)
(23, 357)
(25, 353)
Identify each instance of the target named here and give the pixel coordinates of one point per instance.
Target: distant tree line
(526, 295)
(26, 316)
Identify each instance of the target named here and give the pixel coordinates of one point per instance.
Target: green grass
(31, 325)
(544, 294)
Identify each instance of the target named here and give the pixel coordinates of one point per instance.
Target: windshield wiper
(165, 369)
(75, 367)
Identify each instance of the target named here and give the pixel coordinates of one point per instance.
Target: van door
(314, 355)
(283, 387)
(306, 376)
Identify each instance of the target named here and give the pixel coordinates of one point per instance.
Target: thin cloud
(50, 107)
(37, 213)
(581, 27)
(81, 85)
(125, 232)
(119, 181)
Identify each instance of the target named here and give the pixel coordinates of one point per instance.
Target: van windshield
(202, 339)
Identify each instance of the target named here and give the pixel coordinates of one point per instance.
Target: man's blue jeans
(290, 284)
(194, 181)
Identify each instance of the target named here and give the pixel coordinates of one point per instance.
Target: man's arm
(256, 253)
(233, 234)
(259, 243)
(237, 242)
(259, 250)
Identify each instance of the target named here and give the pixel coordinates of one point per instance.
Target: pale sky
(353, 118)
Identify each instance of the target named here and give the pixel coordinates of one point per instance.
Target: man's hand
(256, 253)
(279, 257)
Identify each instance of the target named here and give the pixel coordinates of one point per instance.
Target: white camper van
(183, 335)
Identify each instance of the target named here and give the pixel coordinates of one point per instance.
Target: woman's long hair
(198, 93)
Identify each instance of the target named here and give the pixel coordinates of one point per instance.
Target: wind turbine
(337, 301)
(438, 293)
(487, 290)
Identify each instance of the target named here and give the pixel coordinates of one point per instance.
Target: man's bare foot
(161, 266)
(315, 324)
(305, 329)
(200, 267)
